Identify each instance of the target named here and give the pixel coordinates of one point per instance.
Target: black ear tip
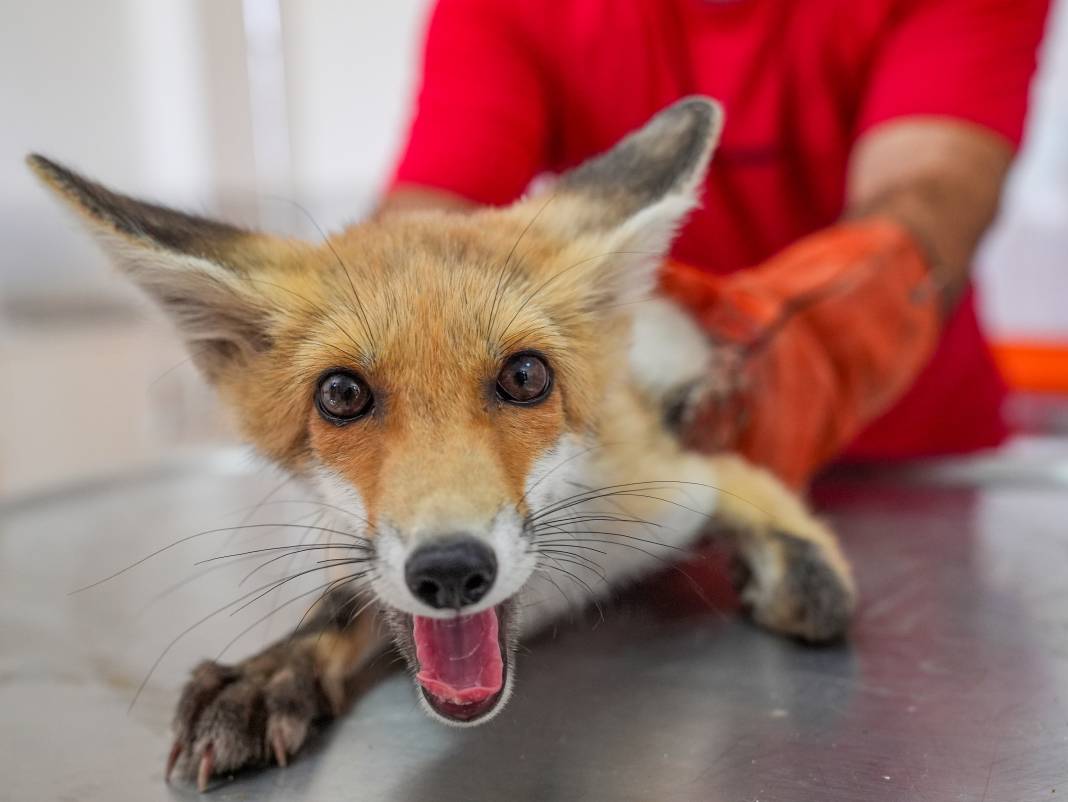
(46, 169)
(700, 108)
(38, 163)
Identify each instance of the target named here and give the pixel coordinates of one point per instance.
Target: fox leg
(657, 502)
(799, 583)
(264, 708)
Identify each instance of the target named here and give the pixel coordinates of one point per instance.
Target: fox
(475, 396)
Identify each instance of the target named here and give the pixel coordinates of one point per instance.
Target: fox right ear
(628, 203)
(664, 160)
(195, 269)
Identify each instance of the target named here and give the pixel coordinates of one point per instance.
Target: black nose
(451, 573)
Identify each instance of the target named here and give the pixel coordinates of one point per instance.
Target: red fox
(477, 396)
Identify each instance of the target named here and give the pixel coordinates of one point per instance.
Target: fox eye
(524, 379)
(343, 397)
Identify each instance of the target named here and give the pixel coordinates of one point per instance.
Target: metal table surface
(953, 687)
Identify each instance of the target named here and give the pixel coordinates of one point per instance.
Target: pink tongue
(459, 658)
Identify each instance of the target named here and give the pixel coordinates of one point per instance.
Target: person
(864, 152)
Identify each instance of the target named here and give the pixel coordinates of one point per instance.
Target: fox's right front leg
(264, 708)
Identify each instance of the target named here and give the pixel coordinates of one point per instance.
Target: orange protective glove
(827, 335)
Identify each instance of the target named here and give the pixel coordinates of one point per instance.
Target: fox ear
(633, 198)
(195, 269)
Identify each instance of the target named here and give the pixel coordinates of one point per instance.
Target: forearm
(942, 180)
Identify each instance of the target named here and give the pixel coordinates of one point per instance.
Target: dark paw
(252, 714)
(806, 592)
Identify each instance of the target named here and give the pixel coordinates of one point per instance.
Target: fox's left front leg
(264, 708)
(799, 582)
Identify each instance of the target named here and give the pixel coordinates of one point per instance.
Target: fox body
(476, 397)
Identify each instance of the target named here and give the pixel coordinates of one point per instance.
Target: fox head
(431, 373)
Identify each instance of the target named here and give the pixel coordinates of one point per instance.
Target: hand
(827, 335)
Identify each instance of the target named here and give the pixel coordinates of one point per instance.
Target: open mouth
(461, 663)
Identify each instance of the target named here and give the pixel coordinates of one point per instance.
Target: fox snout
(451, 574)
(452, 570)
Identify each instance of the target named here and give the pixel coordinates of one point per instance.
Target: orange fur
(426, 309)
(418, 322)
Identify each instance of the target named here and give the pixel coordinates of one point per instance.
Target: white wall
(349, 66)
(113, 86)
(186, 101)
(1023, 267)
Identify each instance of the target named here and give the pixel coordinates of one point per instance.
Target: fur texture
(426, 308)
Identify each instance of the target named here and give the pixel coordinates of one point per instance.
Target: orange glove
(829, 333)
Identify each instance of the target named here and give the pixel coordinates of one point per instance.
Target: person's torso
(789, 74)
(792, 76)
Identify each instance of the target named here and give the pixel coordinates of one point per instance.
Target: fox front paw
(243, 716)
(800, 588)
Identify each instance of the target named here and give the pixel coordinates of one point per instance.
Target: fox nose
(451, 573)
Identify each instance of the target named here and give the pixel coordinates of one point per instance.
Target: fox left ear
(196, 269)
(632, 199)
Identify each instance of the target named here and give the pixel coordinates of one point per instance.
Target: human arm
(941, 179)
(941, 113)
(830, 332)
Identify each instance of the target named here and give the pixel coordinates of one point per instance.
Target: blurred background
(231, 107)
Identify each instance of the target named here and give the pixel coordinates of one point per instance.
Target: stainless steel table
(954, 687)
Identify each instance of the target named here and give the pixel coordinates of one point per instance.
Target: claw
(279, 747)
(172, 760)
(207, 763)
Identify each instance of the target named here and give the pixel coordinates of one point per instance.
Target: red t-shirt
(512, 89)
